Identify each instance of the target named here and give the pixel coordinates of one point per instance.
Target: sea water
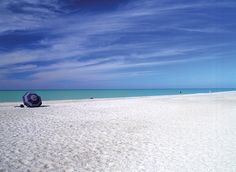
(16, 95)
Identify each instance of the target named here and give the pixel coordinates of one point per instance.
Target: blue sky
(117, 44)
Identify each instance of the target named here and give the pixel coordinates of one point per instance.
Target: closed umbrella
(32, 100)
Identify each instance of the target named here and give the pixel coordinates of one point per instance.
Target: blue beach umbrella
(32, 100)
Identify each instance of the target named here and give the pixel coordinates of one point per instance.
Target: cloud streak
(131, 38)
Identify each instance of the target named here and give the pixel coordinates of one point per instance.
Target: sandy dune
(166, 133)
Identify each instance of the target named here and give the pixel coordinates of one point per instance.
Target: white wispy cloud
(204, 29)
(97, 37)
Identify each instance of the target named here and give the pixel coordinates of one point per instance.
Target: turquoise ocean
(16, 95)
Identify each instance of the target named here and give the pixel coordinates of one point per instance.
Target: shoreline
(115, 98)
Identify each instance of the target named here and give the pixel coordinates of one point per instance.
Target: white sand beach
(166, 133)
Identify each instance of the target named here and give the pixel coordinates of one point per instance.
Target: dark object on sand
(21, 106)
(91, 98)
(32, 100)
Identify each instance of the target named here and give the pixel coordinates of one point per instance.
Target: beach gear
(32, 100)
